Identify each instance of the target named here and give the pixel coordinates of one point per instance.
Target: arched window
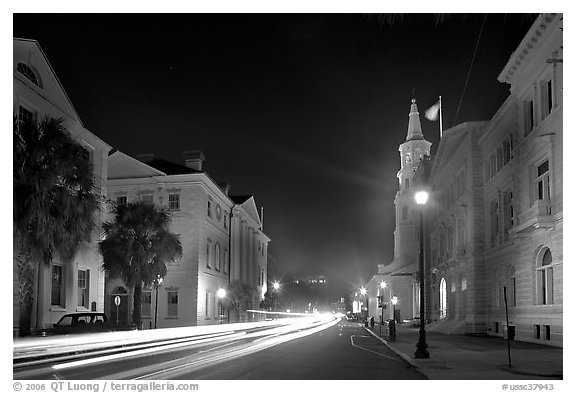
(545, 279)
(28, 73)
(443, 298)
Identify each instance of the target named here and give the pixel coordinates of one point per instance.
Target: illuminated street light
(221, 293)
(363, 291)
(157, 283)
(421, 198)
(383, 285)
(276, 285)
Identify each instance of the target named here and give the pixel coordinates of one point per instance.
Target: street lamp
(221, 293)
(157, 283)
(421, 198)
(276, 286)
(383, 287)
(363, 292)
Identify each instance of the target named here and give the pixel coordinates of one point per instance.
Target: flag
(432, 112)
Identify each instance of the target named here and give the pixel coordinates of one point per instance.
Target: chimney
(146, 157)
(194, 159)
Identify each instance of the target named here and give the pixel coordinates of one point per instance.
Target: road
(318, 349)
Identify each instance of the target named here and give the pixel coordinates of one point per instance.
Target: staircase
(448, 327)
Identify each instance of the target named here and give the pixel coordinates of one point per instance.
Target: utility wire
(469, 70)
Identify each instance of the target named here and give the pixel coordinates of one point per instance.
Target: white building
(494, 221)
(217, 250)
(61, 287)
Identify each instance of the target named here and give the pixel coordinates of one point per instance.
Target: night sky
(303, 111)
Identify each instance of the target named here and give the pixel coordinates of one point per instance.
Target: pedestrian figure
(372, 322)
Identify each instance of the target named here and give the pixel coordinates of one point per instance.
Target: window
(27, 71)
(494, 223)
(512, 294)
(209, 208)
(148, 199)
(537, 332)
(507, 151)
(407, 184)
(543, 182)
(83, 286)
(173, 202)
(404, 212)
(217, 260)
(547, 332)
(499, 159)
(26, 116)
(172, 303)
(121, 200)
(225, 262)
(528, 116)
(57, 296)
(546, 98)
(545, 279)
(208, 314)
(225, 221)
(146, 305)
(208, 249)
(508, 214)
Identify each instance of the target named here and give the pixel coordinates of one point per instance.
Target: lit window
(83, 286)
(225, 262)
(27, 71)
(545, 279)
(173, 202)
(543, 181)
(208, 314)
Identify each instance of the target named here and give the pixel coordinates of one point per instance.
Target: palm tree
(241, 296)
(54, 206)
(136, 247)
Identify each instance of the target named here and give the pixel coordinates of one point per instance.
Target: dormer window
(28, 73)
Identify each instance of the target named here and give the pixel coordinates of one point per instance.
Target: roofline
(55, 75)
(532, 38)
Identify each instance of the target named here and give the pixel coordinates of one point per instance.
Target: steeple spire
(414, 127)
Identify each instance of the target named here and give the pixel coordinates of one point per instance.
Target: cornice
(541, 28)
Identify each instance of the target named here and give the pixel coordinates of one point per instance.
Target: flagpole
(440, 101)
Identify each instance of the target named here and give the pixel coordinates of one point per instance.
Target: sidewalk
(460, 357)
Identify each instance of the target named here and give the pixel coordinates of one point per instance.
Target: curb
(523, 372)
(402, 355)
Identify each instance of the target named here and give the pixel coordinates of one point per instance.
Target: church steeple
(414, 127)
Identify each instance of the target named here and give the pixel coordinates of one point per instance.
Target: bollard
(392, 329)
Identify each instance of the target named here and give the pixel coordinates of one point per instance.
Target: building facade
(494, 221)
(61, 287)
(221, 236)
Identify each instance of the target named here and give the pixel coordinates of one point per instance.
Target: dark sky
(303, 111)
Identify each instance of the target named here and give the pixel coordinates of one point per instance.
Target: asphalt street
(343, 352)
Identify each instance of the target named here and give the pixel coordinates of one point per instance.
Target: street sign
(117, 301)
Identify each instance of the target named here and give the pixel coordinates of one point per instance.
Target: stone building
(221, 236)
(61, 287)
(494, 221)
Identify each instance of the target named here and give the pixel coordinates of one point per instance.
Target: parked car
(352, 318)
(84, 322)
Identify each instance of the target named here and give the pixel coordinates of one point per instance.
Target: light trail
(232, 340)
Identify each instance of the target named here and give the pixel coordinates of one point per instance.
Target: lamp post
(276, 286)
(394, 302)
(421, 351)
(363, 292)
(157, 283)
(221, 293)
(383, 287)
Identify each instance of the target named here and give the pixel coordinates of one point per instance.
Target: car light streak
(190, 364)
